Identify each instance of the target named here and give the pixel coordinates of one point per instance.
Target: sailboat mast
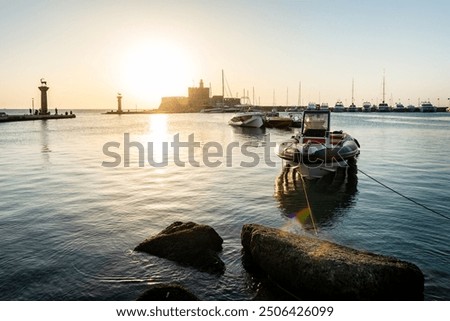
(384, 85)
(253, 96)
(300, 94)
(223, 90)
(353, 90)
(287, 96)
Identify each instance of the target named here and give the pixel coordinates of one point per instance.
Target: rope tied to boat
(309, 206)
(404, 196)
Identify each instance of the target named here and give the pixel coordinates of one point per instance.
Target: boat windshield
(315, 124)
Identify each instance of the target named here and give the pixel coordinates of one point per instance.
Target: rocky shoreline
(304, 267)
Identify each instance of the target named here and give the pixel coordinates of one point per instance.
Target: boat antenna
(308, 204)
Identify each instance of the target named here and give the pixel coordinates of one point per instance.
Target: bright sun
(156, 69)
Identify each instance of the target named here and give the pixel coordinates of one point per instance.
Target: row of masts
(246, 97)
(299, 101)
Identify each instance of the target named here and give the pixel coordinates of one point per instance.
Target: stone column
(119, 103)
(44, 106)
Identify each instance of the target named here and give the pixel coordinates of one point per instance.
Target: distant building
(198, 99)
(174, 104)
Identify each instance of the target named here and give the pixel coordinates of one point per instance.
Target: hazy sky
(88, 51)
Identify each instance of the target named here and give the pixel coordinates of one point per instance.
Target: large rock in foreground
(314, 269)
(188, 244)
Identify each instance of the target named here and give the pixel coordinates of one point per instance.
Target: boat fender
(357, 143)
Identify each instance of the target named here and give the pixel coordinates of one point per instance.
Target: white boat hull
(253, 120)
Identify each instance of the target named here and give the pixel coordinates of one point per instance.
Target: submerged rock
(167, 292)
(188, 244)
(314, 269)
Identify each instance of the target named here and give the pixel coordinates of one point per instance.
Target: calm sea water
(68, 225)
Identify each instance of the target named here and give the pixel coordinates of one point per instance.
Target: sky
(88, 51)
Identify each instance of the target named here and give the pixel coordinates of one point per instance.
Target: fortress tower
(43, 88)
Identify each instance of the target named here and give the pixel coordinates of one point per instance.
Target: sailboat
(352, 107)
(221, 107)
(384, 107)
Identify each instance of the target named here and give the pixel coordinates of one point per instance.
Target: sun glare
(156, 69)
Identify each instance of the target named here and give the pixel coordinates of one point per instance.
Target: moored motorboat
(273, 113)
(339, 107)
(366, 106)
(352, 108)
(311, 106)
(411, 108)
(324, 106)
(296, 120)
(277, 121)
(249, 118)
(427, 107)
(383, 107)
(317, 150)
(399, 108)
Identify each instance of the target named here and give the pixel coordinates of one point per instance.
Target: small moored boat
(249, 118)
(316, 149)
(277, 122)
(296, 120)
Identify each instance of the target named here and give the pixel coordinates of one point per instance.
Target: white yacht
(383, 107)
(366, 106)
(311, 106)
(324, 106)
(339, 107)
(427, 107)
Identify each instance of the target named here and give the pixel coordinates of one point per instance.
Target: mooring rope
(404, 196)
(283, 288)
(309, 206)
